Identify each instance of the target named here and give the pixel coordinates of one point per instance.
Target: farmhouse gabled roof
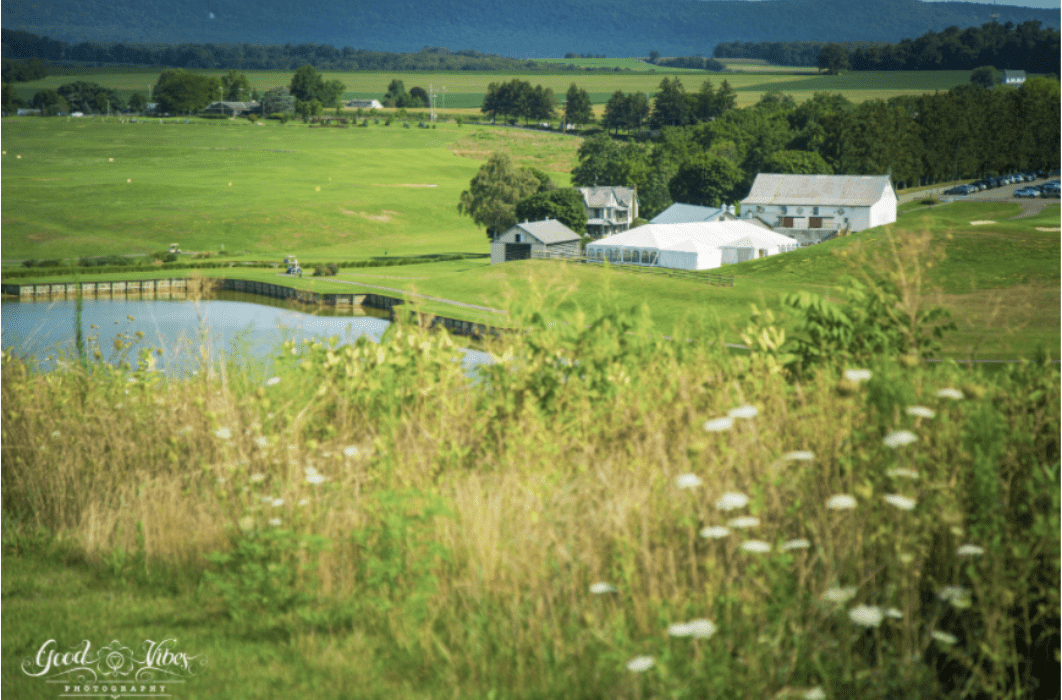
(549, 231)
(607, 196)
(1013, 74)
(686, 214)
(818, 190)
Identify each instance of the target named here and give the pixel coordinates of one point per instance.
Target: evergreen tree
(670, 107)
(577, 108)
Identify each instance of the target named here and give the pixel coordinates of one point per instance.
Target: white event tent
(691, 246)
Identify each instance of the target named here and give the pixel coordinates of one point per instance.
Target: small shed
(544, 237)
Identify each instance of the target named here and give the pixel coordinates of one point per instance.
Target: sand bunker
(1048, 228)
(981, 223)
(365, 215)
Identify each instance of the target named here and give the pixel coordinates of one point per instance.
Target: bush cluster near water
(600, 512)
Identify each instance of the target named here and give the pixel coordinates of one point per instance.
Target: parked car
(960, 190)
(1027, 192)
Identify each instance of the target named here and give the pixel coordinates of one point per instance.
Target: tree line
(1027, 46)
(690, 62)
(19, 44)
(966, 132)
(516, 98)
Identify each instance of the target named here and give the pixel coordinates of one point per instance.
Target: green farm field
(465, 89)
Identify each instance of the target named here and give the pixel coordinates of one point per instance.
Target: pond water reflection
(233, 323)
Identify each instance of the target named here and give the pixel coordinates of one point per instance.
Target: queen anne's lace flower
(755, 547)
(732, 501)
(688, 481)
(640, 664)
(223, 433)
(970, 550)
(949, 393)
(600, 588)
(701, 629)
(841, 502)
(273, 381)
(796, 544)
(715, 533)
(866, 615)
(742, 523)
(857, 375)
(799, 456)
(944, 637)
(901, 502)
(921, 412)
(902, 473)
(839, 595)
(743, 412)
(899, 438)
(719, 424)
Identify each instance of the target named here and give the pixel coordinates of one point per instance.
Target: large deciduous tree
(707, 180)
(90, 97)
(234, 86)
(494, 192)
(49, 102)
(833, 59)
(181, 92)
(308, 85)
(277, 100)
(670, 106)
(565, 205)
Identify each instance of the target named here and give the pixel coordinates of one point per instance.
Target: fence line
(696, 275)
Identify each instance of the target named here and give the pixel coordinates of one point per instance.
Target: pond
(230, 323)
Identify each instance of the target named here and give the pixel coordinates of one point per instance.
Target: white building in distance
(809, 207)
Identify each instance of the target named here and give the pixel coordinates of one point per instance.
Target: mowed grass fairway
(348, 194)
(73, 188)
(465, 89)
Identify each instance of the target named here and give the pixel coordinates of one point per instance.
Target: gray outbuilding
(549, 237)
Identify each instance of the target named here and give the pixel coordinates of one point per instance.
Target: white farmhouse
(549, 237)
(811, 207)
(364, 104)
(1014, 77)
(609, 210)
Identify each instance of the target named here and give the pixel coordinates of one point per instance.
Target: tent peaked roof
(709, 233)
(686, 213)
(549, 231)
(816, 190)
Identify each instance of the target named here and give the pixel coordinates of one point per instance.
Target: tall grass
(600, 513)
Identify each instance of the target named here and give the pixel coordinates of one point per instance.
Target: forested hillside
(523, 30)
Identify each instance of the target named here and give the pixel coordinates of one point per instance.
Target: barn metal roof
(549, 231)
(818, 190)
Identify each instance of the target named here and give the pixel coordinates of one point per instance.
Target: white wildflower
(799, 456)
(901, 502)
(303, 502)
(893, 613)
(796, 544)
(815, 693)
(755, 547)
(351, 451)
(701, 629)
(866, 615)
(956, 595)
(839, 595)
(55, 433)
(255, 478)
(743, 412)
(744, 522)
(944, 637)
(185, 430)
(679, 629)
(246, 523)
(715, 533)
(601, 588)
(640, 664)
(262, 441)
(221, 480)
(841, 501)
(902, 473)
(949, 393)
(732, 501)
(857, 375)
(970, 550)
(906, 558)
(223, 433)
(272, 381)
(275, 522)
(899, 438)
(688, 481)
(315, 479)
(719, 424)
(921, 412)
(277, 502)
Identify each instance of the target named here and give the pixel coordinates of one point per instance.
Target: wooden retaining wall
(181, 287)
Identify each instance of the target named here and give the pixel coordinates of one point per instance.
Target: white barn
(690, 246)
(822, 203)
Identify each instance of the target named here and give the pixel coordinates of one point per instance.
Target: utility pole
(431, 100)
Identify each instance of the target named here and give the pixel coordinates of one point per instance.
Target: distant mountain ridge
(523, 30)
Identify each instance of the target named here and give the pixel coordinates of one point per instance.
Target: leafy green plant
(268, 571)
